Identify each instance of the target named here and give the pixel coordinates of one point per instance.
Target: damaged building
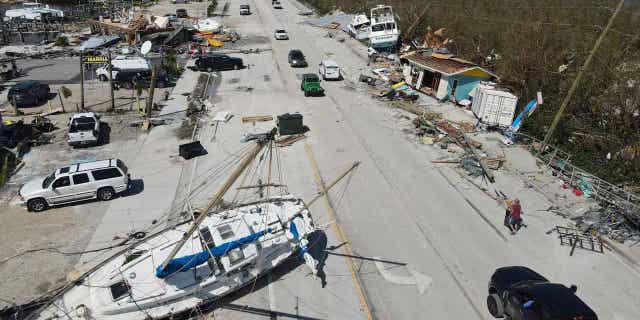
(443, 75)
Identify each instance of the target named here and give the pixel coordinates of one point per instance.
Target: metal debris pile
(609, 222)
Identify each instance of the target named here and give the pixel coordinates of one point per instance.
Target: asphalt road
(399, 207)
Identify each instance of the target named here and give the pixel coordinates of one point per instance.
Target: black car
(296, 58)
(128, 78)
(218, 62)
(519, 293)
(181, 13)
(28, 93)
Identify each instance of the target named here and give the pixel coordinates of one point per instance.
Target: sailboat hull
(126, 286)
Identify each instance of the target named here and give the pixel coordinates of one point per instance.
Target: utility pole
(152, 89)
(113, 101)
(81, 80)
(574, 86)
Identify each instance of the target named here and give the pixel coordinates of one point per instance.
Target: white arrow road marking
(421, 281)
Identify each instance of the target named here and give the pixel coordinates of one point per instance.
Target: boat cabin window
(207, 239)
(236, 255)
(225, 232)
(377, 27)
(119, 289)
(391, 26)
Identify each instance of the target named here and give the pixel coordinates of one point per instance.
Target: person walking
(507, 212)
(515, 220)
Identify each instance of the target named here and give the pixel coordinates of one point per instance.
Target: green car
(311, 85)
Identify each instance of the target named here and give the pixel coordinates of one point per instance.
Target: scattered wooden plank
(54, 111)
(257, 119)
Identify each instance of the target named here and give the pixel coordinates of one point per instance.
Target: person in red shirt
(515, 221)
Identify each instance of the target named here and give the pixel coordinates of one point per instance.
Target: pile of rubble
(609, 222)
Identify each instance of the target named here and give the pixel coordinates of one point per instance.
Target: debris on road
(609, 222)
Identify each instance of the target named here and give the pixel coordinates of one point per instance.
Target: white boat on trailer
(218, 252)
(384, 32)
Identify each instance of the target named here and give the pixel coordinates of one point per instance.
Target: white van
(329, 70)
(122, 63)
(100, 180)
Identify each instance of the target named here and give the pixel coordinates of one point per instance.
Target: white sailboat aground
(186, 266)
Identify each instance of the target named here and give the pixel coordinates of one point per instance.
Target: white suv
(84, 129)
(100, 180)
(329, 70)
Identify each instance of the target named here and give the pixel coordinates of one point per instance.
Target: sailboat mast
(217, 199)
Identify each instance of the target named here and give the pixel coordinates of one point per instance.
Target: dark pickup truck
(519, 293)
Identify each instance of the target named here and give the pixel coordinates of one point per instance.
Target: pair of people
(513, 215)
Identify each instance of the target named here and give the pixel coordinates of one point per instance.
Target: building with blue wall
(443, 76)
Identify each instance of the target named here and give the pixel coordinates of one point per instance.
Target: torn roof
(448, 65)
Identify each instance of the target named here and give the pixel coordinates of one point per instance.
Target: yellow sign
(95, 59)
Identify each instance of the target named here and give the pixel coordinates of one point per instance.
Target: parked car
(128, 78)
(172, 17)
(245, 10)
(281, 34)
(28, 93)
(276, 4)
(218, 62)
(83, 129)
(181, 13)
(101, 180)
(310, 84)
(329, 70)
(179, 1)
(297, 59)
(519, 293)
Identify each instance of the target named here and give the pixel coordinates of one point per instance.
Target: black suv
(28, 93)
(127, 78)
(296, 58)
(519, 293)
(217, 62)
(181, 13)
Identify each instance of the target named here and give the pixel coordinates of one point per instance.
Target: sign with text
(95, 59)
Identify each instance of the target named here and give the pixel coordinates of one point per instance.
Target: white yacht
(359, 27)
(384, 33)
(33, 11)
(192, 264)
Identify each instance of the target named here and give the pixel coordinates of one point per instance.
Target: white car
(329, 70)
(84, 129)
(101, 180)
(281, 34)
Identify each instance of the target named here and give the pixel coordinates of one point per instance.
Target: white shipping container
(493, 106)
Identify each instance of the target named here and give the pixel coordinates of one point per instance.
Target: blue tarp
(186, 263)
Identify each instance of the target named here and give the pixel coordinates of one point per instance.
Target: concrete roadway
(397, 206)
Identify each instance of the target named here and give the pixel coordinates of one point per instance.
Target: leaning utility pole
(110, 66)
(81, 80)
(574, 86)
